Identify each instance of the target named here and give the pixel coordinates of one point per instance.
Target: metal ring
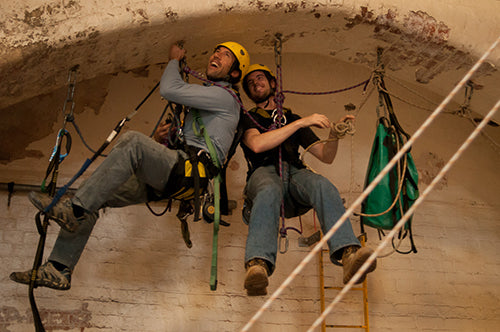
(275, 117)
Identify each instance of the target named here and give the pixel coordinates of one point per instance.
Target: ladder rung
(362, 288)
(347, 326)
(340, 288)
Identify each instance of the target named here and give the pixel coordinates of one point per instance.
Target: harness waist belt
(202, 156)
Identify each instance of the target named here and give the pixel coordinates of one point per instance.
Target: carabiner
(278, 118)
(286, 243)
(62, 132)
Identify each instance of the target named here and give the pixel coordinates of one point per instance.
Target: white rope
(494, 144)
(406, 216)
(364, 194)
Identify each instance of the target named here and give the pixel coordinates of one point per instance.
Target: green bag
(384, 194)
(398, 189)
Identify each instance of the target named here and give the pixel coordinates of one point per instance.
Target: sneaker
(352, 259)
(256, 278)
(62, 212)
(47, 276)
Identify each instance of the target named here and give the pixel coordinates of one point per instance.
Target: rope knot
(341, 129)
(279, 98)
(70, 118)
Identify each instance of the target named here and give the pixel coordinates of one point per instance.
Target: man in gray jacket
(138, 162)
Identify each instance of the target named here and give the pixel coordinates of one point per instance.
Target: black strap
(42, 231)
(196, 179)
(224, 199)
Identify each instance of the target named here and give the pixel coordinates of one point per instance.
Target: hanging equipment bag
(398, 190)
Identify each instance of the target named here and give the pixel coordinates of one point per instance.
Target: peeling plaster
(415, 42)
(51, 319)
(429, 165)
(171, 15)
(35, 118)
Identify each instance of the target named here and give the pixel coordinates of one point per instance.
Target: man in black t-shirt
(276, 175)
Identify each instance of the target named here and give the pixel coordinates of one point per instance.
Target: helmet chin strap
(267, 104)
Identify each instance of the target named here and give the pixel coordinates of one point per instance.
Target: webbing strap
(42, 231)
(215, 240)
(201, 130)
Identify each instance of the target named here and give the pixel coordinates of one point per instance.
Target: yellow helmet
(258, 66)
(240, 53)
(251, 69)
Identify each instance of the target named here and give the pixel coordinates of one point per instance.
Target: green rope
(213, 154)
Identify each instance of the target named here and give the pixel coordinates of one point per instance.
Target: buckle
(206, 160)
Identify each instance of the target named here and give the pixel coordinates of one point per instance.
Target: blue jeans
(300, 186)
(120, 180)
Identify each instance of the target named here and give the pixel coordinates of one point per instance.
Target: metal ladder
(363, 288)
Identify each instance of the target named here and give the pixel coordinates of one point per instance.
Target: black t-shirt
(289, 148)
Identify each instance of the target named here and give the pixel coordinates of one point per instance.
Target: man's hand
(161, 132)
(346, 118)
(176, 52)
(315, 120)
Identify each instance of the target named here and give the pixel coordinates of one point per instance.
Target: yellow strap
(262, 112)
(188, 169)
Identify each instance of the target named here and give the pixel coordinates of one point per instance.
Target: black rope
(73, 122)
(42, 231)
(159, 214)
(87, 163)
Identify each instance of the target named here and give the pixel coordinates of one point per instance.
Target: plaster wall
(41, 40)
(136, 273)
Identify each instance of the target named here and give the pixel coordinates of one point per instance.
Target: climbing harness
(201, 163)
(279, 120)
(341, 129)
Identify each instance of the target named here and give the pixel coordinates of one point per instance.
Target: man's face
(220, 63)
(258, 86)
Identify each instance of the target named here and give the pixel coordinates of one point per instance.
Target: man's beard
(262, 99)
(218, 79)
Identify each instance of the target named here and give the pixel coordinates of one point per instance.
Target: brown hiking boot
(61, 212)
(256, 279)
(352, 259)
(47, 276)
